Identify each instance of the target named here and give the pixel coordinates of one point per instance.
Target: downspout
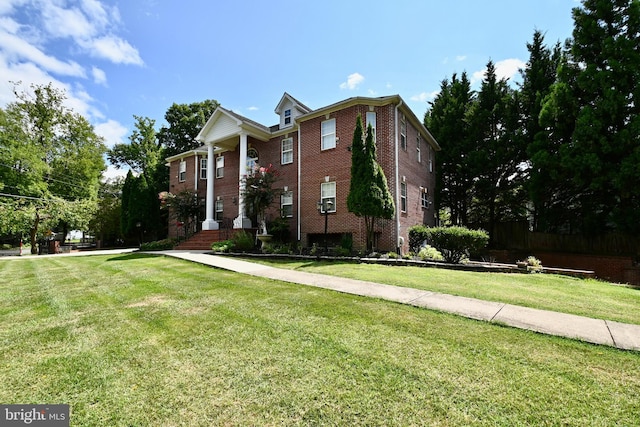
(299, 184)
(397, 177)
(196, 174)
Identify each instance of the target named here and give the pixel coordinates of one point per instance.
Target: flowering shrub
(259, 193)
(184, 207)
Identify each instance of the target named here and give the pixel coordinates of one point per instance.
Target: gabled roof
(379, 101)
(299, 105)
(200, 150)
(238, 124)
(234, 124)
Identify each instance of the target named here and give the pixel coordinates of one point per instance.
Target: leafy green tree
(369, 196)
(184, 123)
(105, 224)
(448, 121)
(144, 155)
(124, 207)
(51, 162)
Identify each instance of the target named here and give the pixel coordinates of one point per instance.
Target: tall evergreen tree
(369, 196)
(145, 155)
(597, 107)
(498, 154)
(447, 119)
(538, 78)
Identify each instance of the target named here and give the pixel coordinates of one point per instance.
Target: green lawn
(140, 340)
(585, 297)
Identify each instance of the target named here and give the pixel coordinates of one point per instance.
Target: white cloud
(425, 96)
(99, 76)
(372, 92)
(7, 6)
(353, 80)
(505, 69)
(114, 49)
(253, 108)
(112, 173)
(461, 58)
(62, 23)
(112, 131)
(19, 50)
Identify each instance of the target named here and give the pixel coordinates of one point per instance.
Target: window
(430, 160)
(182, 174)
(418, 149)
(286, 204)
(203, 168)
(287, 151)
(287, 117)
(371, 120)
(424, 198)
(403, 196)
(219, 166)
(219, 210)
(328, 194)
(252, 158)
(328, 134)
(403, 133)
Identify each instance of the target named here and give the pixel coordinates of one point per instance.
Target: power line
(17, 196)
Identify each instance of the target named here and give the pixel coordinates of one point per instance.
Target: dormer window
(287, 117)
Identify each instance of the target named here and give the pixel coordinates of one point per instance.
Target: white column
(210, 223)
(242, 221)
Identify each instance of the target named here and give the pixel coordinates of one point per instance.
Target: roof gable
(289, 101)
(224, 124)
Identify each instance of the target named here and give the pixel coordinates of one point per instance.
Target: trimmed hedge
(453, 242)
(159, 245)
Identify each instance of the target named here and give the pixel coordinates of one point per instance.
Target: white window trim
(373, 122)
(220, 167)
(424, 198)
(219, 209)
(323, 135)
(332, 195)
(283, 152)
(403, 133)
(418, 149)
(203, 168)
(182, 171)
(430, 160)
(403, 197)
(288, 195)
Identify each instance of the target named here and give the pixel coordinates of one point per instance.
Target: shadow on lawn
(133, 256)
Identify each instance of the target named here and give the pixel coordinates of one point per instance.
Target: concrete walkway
(606, 332)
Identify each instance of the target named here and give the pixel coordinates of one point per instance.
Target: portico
(224, 132)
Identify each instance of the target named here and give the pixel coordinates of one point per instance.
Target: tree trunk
(33, 232)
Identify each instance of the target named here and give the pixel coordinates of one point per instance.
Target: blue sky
(117, 59)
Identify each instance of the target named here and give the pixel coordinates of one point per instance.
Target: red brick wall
(336, 164)
(270, 154)
(416, 174)
(176, 186)
(610, 268)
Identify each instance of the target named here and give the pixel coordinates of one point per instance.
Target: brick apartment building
(311, 151)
